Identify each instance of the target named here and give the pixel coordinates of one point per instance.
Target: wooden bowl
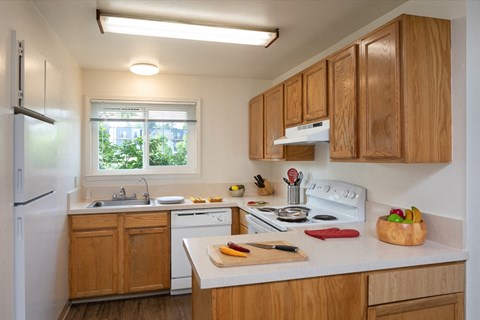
(402, 234)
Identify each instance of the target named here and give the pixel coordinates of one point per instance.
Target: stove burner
(325, 217)
(266, 209)
(293, 221)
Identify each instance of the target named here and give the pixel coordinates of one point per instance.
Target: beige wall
(422, 185)
(224, 120)
(23, 17)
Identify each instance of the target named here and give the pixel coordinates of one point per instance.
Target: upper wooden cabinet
(306, 95)
(343, 102)
(255, 121)
(274, 127)
(266, 124)
(404, 107)
(315, 92)
(293, 100)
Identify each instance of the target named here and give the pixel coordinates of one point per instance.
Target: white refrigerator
(34, 208)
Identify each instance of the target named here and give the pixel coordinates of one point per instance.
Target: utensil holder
(267, 190)
(293, 195)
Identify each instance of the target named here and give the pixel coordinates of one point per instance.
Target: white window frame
(90, 146)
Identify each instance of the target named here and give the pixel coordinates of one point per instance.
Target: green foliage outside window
(129, 155)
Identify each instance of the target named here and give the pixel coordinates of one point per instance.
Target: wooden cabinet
(256, 123)
(337, 297)
(243, 222)
(405, 107)
(266, 124)
(427, 293)
(118, 253)
(146, 252)
(293, 102)
(315, 92)
(343, 103)
(274, 127)
(93, 255)
(432, 292)
(306, 96)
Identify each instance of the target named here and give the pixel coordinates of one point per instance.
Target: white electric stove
(329, 202)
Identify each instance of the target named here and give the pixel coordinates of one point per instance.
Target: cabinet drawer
(413, 283)
(94, 221)
(139, 220)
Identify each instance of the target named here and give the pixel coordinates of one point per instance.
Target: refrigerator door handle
(19, 229)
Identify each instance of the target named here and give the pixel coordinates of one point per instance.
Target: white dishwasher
(193, 223)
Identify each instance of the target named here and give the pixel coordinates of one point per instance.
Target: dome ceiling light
(144, 69)
(115, 23)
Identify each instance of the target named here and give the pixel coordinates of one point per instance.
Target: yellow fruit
(417, 215)
(234, 188)
(408, 214)
(226, 250)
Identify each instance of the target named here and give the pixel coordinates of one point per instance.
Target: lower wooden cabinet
(146, 253)
(444, 307)
(243, 222)
(432, 292)
(118, 253)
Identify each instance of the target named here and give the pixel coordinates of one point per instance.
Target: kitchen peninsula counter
(325, 257)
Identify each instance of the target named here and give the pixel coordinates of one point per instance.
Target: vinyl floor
(163, 307)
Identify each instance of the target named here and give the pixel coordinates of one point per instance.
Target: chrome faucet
(123, 194)
(146, 195)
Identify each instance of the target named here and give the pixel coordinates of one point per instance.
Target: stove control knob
(326, 189)
(352, 195)
(345, 193)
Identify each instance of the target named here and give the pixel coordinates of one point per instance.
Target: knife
(278, 247)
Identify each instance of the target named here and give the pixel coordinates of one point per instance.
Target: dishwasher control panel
(201, 217)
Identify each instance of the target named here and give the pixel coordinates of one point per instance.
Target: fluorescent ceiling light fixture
(114, 23)
(144, 69)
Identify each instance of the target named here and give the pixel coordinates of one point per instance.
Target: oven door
(256, 225)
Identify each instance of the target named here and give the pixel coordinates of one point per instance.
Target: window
(143, 137)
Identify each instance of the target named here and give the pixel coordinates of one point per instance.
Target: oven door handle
(255, 225)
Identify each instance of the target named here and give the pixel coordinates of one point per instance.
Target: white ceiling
(306, 29)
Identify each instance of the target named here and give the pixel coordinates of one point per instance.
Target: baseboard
(63, 314)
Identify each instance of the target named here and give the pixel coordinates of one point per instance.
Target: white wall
(224, 119)
(23, 17)
(473, 159)
(422, 185)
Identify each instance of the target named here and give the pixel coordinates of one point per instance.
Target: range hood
(306, 133)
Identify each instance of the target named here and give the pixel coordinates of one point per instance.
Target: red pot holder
(333, 233)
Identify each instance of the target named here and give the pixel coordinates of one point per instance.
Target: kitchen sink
(120, 203)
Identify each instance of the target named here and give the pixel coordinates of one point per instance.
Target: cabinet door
(274, 127)
(343, 102)
(255, 114)
(315, 92)
(445, 307)
(381, 120)
(147, 259)
(93, 263)
(293, 101)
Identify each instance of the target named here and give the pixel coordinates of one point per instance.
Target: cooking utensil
(278, 247)
(286, 181)
(292, 174)
(291, 214)
(299, 178)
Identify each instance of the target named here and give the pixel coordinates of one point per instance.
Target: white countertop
(329, 257)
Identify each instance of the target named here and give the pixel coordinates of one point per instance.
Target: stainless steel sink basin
(120, 203)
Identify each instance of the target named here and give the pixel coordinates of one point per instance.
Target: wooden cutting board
(256, 255)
